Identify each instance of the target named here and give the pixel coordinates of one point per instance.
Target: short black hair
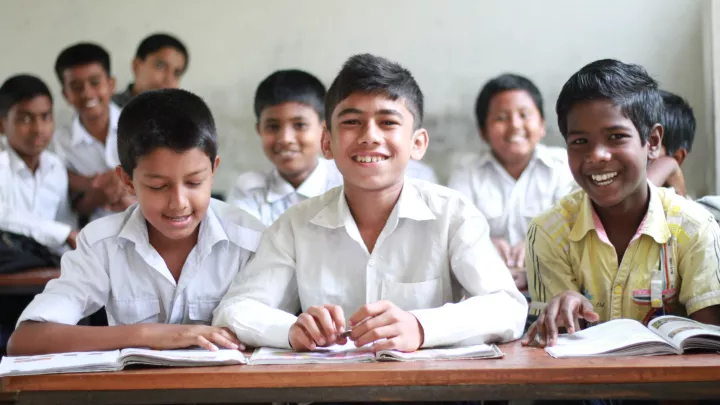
(21, 88)
(678, 123)
(367, 73)
(83, 53)
(628, 86)
(156, 42)
(167, 118)
(502, 83)
(290, 85)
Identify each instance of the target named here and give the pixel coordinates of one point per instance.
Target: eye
(578, 141)
(272, 127)
(389, 123)
(300, 125)
(617, 137)
(157, 188)
(160, 64)
(194, 184)
(350, 122)
(95, 82)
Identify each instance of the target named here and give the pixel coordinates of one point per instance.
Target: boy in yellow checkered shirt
(620, 247)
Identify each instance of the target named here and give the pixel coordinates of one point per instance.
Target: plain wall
(452, 47)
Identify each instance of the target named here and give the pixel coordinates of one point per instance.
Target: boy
(290, 118)
(518, 178)
(161, 267)
(678, 134)
(33, 195)
(160, 62)
(620, 247)
(386, 257)
(88, 146)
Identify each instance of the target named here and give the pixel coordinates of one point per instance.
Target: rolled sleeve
(699, 268)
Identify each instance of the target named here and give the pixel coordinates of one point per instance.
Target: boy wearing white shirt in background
(386, 256)
(160, 267)
(517, 178)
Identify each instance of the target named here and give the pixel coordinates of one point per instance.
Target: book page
(603, 338)
(347, 353)
(183, 357)
(60, 363)
(677, 329)
(449, 353)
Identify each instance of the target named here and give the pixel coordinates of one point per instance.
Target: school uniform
(510, 204)
(434, 249)
(83, 154)
(267, 195)
(677, 245)
(418, 170)
(115, 266)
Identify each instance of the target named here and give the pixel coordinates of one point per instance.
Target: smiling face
(89, 88)
(606, 155)
(371, 139)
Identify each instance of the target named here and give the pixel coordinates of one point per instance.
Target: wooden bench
(27, 282)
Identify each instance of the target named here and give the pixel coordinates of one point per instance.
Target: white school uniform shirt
(267, 195)
(83, 154)
(418, 170)
(34, 204)
(510, 204)
(115, 266)
(434, 249)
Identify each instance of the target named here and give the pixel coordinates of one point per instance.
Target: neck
(298, 179)
(626, 215)
(515, 169)
(32, 162)
(371, 209)
(97, 127)
(134, 90)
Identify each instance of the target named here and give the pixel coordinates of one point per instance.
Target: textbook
(627, 337)
(348, 353)
(88, 362)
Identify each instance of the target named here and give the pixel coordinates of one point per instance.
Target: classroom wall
(451, 46)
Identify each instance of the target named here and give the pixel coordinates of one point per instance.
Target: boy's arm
(494, 309)
(666, 171)
(263, 297)
(699, 269)
(31, 338)
(46, 232)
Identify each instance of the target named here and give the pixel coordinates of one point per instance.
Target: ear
(420, 140)
(679, 154)
(2, 125)
(325, 143)
(257, 127)
(136, 66)
(112, 83)
(126, 180)
(215, 165)
(543, 131)
(482, 134)
(654, 141)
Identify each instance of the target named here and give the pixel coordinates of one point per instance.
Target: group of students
(353, 240)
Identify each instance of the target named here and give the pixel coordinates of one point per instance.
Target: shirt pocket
(137, 311)
(200, 311)
(411, 296)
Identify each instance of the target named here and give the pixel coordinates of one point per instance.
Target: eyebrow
(158, 176)
(605, 129)
(384, 111)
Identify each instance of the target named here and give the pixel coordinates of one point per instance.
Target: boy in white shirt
(386, 256)
(160, 267)
(290, 118)
(518, 178)
(88, 145)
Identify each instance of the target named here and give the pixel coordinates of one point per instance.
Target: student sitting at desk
(518, 177)
(385, 256)
(620, 247)
(161, 267)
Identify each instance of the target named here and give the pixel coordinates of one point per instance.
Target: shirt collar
(313, 186)
(541, 153)
(18, 165)
(654, 224)
(81, 135)
(410, 205)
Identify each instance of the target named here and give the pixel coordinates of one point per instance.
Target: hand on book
(564, 310)
(319, 326)
(400, 329)
(166, 337)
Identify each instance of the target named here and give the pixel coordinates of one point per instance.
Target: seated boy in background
(161, 267)
(389, 257)
(33, 190)
(88, 146)
(290, 118)
(517, 178)
(160, 62)
(620, 247)
(678, 134)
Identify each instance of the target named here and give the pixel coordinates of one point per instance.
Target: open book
(348, 353)
(627, 337)
(87, 362)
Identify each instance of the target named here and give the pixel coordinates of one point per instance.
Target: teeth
(604, 178)
(518, 138)
(91, 103)
(286, 153)
(369, 159)
(178, 219)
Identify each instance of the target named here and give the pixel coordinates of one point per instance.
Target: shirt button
(618, 290)
(371, 262)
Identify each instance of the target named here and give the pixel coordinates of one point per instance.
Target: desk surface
(27, 282)
(524, 373)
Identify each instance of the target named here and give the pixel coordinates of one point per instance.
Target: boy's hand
(503, 248)
(319, 326)
(520, 278)
(517, 256)
(110, 185)
(122, 204)
(665, 172)
(564, 310)
(384, 320)
(165, 337)
(72, 239)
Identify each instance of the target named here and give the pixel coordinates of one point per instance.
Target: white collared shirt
(510, 204)
(115, 266)
(419, 170)
(267, 195)
(34, 204)
(434, 249)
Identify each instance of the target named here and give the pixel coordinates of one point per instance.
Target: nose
(599, 153)
(286, 135)
(370, 133)
(516, 121)
(178, 200)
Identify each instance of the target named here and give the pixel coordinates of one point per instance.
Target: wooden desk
(27, 282)
(522, 374)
